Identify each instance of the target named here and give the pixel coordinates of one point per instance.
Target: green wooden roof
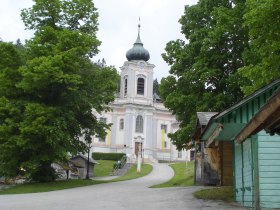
(226, 125)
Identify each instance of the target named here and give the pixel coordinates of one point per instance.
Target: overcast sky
(118, 20)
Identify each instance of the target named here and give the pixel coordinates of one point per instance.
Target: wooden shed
(82, 161)
(256, 153)
(203, 173)
(213, 163)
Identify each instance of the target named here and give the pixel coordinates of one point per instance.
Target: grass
(132, 172)
(104, 168)
(218, 193)
(49, 186)
(67, 184)
(184, 175)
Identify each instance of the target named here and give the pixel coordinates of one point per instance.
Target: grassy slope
(66, 184)
(218, 193)
(184, 175)
(49, 186)
(132, 173)
(104, 168)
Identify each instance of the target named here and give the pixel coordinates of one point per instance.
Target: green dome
(138, 52)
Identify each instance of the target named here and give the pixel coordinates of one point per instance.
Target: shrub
(107, 156)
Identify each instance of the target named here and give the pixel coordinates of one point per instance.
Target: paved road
(126, 195)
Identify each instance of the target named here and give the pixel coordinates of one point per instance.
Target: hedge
(107, 156)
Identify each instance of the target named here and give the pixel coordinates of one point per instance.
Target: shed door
(244, 173)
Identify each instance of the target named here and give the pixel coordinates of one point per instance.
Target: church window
(180, 154)
(140, 86)
(139, 124)
(163, 127)
(121, 124)
(125, 86)
(102, 119)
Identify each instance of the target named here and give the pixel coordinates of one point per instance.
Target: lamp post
(88, 141)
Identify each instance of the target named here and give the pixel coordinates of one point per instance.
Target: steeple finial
(138, 52)
(138, 40)
(139, 25)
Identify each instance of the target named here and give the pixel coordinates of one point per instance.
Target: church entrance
(138, 148)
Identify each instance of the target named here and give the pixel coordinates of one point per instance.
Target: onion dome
(138, 52)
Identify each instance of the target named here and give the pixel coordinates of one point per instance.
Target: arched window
(121, 124)
(139, 124)
(140, 86)
(125, 86)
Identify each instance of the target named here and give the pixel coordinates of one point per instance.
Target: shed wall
(269, 170)
(244, 173)
(226, 163)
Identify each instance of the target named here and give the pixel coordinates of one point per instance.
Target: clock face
(141, 65)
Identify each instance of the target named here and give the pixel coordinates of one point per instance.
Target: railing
(119, 165)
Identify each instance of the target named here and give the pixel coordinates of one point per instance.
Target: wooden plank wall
(227, 164)
(269, 170)
(247, 173)
(243, 173)
(238, 173)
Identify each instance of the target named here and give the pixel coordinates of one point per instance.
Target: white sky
(118, 20)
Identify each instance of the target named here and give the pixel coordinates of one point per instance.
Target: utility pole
(88, 141)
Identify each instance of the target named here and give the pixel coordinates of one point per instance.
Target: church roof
(138, 52)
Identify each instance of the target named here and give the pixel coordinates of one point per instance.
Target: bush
(107, 156)
(44, 173)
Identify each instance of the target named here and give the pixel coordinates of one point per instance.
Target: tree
(262, 57)
(155, 86)
(59, 86)
(203, 70)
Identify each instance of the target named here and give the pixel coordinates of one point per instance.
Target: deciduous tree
(262, 57)
(58, 87)
(203, 68)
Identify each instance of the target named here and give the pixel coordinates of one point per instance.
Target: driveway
(126, 195)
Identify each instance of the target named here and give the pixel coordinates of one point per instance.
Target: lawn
(104, 168)
(132, 173)
(66, 184)
(218, 193)
(49, 186)
(184, 175)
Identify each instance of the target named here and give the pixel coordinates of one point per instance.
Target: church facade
(140, 122)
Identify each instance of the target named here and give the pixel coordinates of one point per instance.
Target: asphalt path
(126, 195)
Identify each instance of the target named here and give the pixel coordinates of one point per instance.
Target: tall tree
(60, 87)
(203, 69)
(262, 57)
(155, 86)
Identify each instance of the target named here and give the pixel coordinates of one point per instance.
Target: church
(140, 122)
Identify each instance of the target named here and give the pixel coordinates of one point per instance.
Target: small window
(140, 86)
(121, 124)
(163, 127)
(165, 144)
(180, 154)
(125, 86)
(104, 120)
(192, 154)
(139, 124)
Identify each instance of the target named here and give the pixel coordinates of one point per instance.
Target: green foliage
(262, 57)
(183, 175)
(218, 193)
(107, 156)
(203, 70)
(44, 173)
(49, 87)
(155, 86)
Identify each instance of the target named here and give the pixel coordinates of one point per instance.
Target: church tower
(140, 125)
(137, 74)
